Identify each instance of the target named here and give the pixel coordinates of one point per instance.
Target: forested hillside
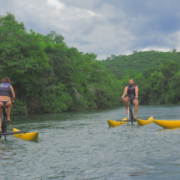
(138, 61)
(48, 76)
(156, 73)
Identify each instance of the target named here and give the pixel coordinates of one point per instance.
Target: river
(80, 146)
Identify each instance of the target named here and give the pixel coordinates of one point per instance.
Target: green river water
(80, 146)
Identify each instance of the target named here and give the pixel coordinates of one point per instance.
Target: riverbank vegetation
(156, 73)
(48, 76)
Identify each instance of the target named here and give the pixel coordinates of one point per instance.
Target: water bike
(130, 119)
(28, 136)
(168, 124)
(142, 122)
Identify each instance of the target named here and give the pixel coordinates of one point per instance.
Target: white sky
(103, 27)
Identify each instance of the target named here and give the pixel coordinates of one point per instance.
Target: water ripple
(80, 146)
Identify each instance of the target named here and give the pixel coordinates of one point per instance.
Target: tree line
(156, 73)
(48, 76)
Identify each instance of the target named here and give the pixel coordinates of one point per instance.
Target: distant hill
(138, 61)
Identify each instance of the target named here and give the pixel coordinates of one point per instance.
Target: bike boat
(168, 124)
(141, 122)
(113, 123)
(29, 136)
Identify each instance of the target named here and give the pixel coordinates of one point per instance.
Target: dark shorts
(132, 98)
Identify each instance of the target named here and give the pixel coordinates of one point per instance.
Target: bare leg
(136, 107)
(8, 111)
(125, 101)
(1, 104)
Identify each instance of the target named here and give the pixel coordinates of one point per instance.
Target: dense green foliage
(48, 76)
(156, 73)
(138, 61)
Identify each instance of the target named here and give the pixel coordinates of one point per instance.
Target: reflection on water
(79, 145)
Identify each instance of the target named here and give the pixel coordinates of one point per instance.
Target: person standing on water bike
(132, 95)
(7, 96)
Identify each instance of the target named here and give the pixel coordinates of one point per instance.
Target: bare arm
(125, 91)
(136, 91)
(12, 93)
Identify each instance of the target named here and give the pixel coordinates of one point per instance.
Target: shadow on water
(139, 173)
